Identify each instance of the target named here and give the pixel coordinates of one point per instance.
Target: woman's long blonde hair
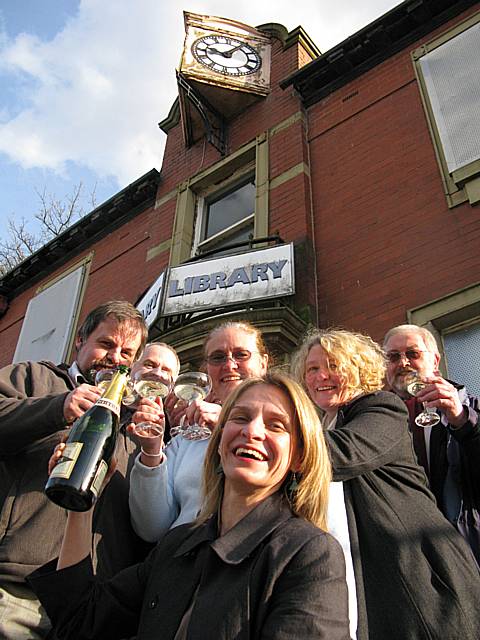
(310, 499)
(359, 360)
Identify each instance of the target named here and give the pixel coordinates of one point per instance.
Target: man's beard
(95, 367)
(398, 383)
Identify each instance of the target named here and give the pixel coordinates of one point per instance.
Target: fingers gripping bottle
(76, 480)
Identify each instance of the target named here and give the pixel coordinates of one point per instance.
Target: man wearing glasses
(449, 451)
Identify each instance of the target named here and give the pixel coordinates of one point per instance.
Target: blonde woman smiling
(254, 566)
(415, 576)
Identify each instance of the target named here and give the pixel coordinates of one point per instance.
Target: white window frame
(462, 184)
(237, 180)
(251, 159)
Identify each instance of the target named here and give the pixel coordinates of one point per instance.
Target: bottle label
(109, 404)
(65, 465)
(99, 478)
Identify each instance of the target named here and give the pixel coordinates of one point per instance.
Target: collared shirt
(76, 375)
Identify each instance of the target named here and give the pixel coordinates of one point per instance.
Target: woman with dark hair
(165, 485)
(415, 577)
(255, 565)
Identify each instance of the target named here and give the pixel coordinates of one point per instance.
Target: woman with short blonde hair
(415, 576)
(359, 359)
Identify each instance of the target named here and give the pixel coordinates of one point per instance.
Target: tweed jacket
(271, 576)
(31, 527)
(416, 577)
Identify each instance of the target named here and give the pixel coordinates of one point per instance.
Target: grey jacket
(272, 576)
(31, 527)
(416, 577)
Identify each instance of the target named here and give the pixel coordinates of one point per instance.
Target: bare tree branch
(54, 216)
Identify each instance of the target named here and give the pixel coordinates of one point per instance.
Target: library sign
(150, 304)
(227, 280)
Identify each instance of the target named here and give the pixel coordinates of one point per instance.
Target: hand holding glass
(429, 417)
(146, 385)
(192, 386)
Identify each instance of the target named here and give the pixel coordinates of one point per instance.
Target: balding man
(159, 361)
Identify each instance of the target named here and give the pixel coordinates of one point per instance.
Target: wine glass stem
(428, 409)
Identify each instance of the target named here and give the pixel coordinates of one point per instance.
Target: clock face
(226, 55)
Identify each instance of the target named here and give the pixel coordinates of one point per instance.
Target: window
(448, 70)
(462, 351)
(455, 322)
(225, 217)
(50, 320)
(223, 204)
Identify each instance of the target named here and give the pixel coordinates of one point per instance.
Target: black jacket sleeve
(369, 433)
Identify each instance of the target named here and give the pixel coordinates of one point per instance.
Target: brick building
(362, 162)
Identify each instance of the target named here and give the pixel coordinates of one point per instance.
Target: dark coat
(32, 395)
(272, 576)
(416, 577)
(453, 468)
(466, 441)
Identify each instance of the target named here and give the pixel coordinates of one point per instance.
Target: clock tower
(225, 67)
(225, 53)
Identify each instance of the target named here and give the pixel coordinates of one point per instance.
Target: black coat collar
(238, 543)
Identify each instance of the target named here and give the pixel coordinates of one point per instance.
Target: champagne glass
(151, 386)
(148, 430)
(192, 386)
(103, 377)
(429, 417)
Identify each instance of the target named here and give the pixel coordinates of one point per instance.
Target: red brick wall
(386, 240)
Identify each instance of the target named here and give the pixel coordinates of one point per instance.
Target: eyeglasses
(219, 357)
(410, 354)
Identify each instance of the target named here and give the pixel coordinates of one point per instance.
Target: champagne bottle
(78, 476)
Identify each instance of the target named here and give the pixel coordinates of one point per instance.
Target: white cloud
(98, 89)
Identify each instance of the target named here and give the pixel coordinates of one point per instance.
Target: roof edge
(98, 223)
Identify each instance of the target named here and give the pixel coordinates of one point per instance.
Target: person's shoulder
(300, 531)
(464, 393)
(381, 398)
(38, 365)
(27, 367)
(180, 446)
(302, 538)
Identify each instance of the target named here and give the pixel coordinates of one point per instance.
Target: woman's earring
(293, 485)
(219, 469)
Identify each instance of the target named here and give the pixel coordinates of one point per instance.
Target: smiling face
(157, 362)
(325, 386)
(110, 344)
(229, 374)
(426, 364)
(258, 445)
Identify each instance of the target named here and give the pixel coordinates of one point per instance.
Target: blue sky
(84, 83)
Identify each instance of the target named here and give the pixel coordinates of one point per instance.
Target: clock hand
(213, 50)
(228, 54)
(225, 54)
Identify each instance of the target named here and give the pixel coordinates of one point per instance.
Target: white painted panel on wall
(50, 319)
